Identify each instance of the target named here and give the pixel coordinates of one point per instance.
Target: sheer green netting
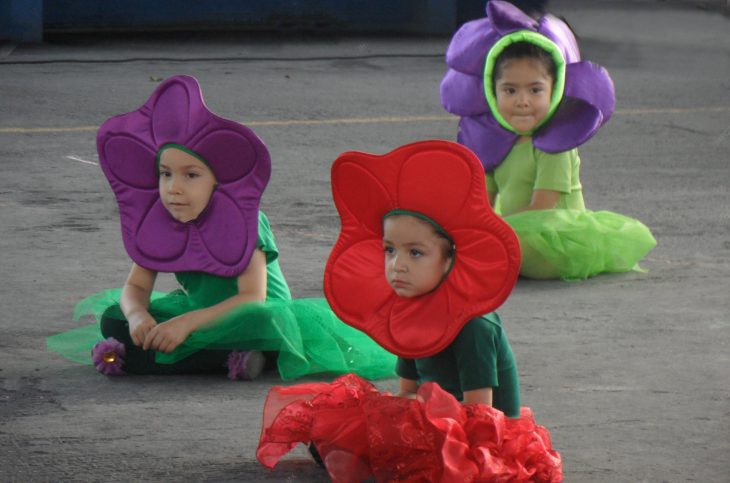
(76, 344)
(310, 339)
(575, 245)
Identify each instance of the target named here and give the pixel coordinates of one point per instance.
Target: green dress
(569, 241)
(306, 334)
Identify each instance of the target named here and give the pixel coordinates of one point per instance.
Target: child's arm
(481, 396)
(541, 200)
(167, 336)
(135, 301)
(408, 388)
(492, 198)
(553, 176)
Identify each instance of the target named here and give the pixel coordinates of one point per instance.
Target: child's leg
(138, 361)
(536, 266)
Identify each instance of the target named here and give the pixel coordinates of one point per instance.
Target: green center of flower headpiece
(439, 229)
(558, 85)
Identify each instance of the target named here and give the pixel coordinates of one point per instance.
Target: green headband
(544, 43)
(423, 217)
(181, 148)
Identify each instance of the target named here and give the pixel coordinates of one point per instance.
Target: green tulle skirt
(575, 245)
(307, 335)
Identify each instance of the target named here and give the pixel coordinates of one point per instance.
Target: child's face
(415, 260)
(186, 184)
(523, 93)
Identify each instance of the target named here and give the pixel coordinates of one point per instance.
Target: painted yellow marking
(363, 120)
(673, 110)
(353, 120)
(36, 130)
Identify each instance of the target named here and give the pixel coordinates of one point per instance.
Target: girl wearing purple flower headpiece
(526, 102)
(188, 184)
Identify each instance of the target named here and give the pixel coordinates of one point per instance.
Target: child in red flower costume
(420, 263)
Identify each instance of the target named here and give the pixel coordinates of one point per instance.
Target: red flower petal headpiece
(445, 182)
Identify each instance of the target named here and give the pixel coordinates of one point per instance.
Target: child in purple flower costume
(188, 184)
(526, 102)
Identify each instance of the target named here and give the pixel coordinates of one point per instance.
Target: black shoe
(315, 454)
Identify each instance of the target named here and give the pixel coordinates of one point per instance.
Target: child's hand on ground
(408, 388)
(165, 337)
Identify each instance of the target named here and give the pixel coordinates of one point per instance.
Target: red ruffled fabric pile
(361, 433)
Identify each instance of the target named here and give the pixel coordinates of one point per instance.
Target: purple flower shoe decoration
(584, 94)
(108, 357)
(245, 365)
(223, 237)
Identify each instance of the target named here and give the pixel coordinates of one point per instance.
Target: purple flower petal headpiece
(223, 237)
(588, 99)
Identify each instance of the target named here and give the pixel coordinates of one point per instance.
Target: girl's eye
(193, 175)
(164, 174)
(537, 90)
(416, 253)
(389, 250)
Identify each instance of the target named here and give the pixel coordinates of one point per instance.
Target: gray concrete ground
(629, 372)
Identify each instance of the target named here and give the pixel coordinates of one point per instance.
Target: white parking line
(76, 158)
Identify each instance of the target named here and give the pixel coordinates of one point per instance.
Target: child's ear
(447, 263)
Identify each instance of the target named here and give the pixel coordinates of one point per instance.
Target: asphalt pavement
(630, 372)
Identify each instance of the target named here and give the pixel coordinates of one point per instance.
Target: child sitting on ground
(420, 273)
(188, 184)
(527, 102)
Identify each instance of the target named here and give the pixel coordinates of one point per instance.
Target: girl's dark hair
(448, 249)
(524, 50)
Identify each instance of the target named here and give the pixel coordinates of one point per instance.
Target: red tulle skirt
(362, 433)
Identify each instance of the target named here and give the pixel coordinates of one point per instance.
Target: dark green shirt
(207, 289)
(480, 356)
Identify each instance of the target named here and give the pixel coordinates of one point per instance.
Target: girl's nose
(173, 186)
(398, 266)
(522, 99)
